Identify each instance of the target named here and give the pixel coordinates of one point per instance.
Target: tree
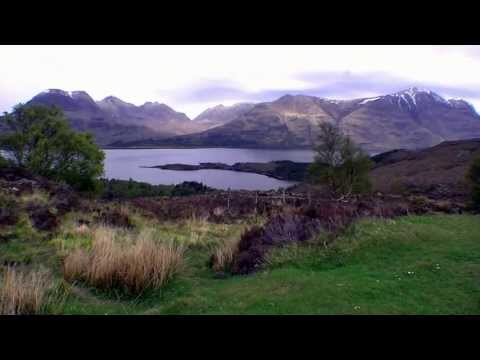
(39, 139)
(474, 176)
(339, 164)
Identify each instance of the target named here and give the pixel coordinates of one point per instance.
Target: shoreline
(200, 147)
(284, 170)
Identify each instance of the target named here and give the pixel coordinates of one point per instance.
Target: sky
(193, 78)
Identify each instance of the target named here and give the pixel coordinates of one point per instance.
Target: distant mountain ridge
(113, 119)
(220, 114)
(410, 119)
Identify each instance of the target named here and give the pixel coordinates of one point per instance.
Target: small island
(281, 170)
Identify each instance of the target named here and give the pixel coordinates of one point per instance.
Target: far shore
(285, 170)
(199, 147)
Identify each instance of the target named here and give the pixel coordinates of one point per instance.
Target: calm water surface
(125, 164)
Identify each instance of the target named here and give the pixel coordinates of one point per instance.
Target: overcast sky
(193, 78)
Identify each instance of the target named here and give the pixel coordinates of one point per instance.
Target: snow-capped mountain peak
(367, 100)
(411, 94)
(409, 99)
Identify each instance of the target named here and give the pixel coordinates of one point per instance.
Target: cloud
(352, 84)
(206, 91)
(191, 78)
(338, 85)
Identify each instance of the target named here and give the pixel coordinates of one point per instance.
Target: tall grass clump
(222, 257)
(125, 262)
(24, 293)
(198, 230)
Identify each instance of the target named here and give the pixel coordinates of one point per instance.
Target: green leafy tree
(341, 166)
(40, 139)
(474, 177)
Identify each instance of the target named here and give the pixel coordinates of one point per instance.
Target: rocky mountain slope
(409, 119)
(153, 115)
(413, 118)
(220, 114)
(112, 119)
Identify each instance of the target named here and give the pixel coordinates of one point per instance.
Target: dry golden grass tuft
(198, 229)
(24, 293)
(75, 265)
(123, 261)
(222, 257)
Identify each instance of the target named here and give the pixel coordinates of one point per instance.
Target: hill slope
(438, 170)
(410, 119)
(111, 119)
(220, 114)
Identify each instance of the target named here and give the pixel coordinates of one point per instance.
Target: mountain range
(410, 119)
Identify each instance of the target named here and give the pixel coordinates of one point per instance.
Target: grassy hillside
(409, 265)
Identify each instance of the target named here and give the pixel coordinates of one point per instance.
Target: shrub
(189, 188)
(339, 164)
(24, 293)
(137, 264)
(123, 189)
(40, 139)
(114, 188)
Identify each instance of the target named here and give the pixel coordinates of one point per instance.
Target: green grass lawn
(410, 265)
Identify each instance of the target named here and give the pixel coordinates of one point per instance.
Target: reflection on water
(125, 164)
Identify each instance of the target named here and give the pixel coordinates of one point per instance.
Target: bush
(40, 139)
(189, 188)
(128, 268)
(24, 293)
(339, 164)
(474, 177)
(125, 189)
